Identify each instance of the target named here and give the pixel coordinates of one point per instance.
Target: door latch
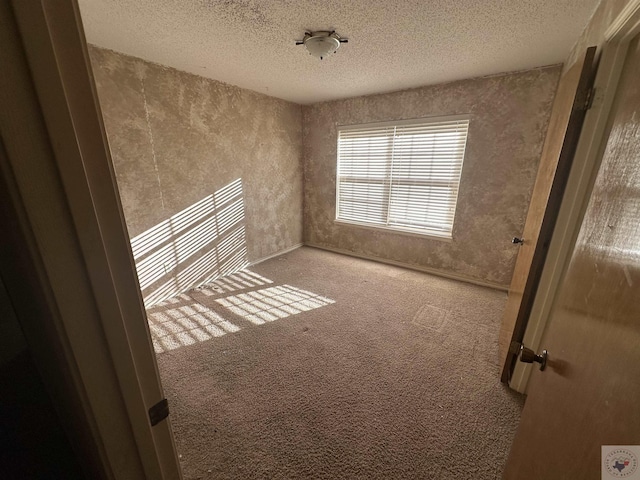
(529, 356)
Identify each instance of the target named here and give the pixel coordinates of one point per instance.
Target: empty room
(359, 239)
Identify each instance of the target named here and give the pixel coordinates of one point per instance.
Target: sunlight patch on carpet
(183, 320)
(234, 282)
(186, 325)
(272, 303)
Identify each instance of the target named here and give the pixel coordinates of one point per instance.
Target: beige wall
(204, 170)
(184, 145)
(593, 34)
(509, 117)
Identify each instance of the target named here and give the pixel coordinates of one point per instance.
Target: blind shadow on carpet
(317, 365)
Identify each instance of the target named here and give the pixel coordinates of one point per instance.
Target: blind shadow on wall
(196, 245)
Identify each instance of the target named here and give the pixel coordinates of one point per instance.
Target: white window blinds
(403, 176)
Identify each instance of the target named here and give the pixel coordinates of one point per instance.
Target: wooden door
(567, 116)
(589, 395)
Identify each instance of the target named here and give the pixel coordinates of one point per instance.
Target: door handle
(529, 356)
(516, 240)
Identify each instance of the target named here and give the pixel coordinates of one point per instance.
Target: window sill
(399, 231)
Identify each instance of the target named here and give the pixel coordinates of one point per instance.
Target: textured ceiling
(392, 44)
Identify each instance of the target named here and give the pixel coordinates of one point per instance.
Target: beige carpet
(315, 365)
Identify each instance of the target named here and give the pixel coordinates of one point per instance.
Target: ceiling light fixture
(321, 44)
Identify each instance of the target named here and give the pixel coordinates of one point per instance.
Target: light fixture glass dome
(320, 46)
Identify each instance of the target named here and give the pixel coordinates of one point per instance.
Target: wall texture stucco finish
(593, 33)
(177, 139)
(509, 118)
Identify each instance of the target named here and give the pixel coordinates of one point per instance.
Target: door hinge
(588, 102)
(514, 347)
(159, 412)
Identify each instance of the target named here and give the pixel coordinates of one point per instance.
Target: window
(401, 176)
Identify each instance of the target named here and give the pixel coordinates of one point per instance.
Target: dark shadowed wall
(33, 443)
(210, 175)
(509, 117)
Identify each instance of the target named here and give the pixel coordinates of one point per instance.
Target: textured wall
(509, 113)
(593, 34)
(200, 166)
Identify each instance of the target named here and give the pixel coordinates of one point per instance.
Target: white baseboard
(409, 266)
(277, 254)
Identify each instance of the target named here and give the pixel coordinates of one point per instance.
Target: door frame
(66, 201)
(589, 153)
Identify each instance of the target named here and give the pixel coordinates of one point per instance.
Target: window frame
(405, 230)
